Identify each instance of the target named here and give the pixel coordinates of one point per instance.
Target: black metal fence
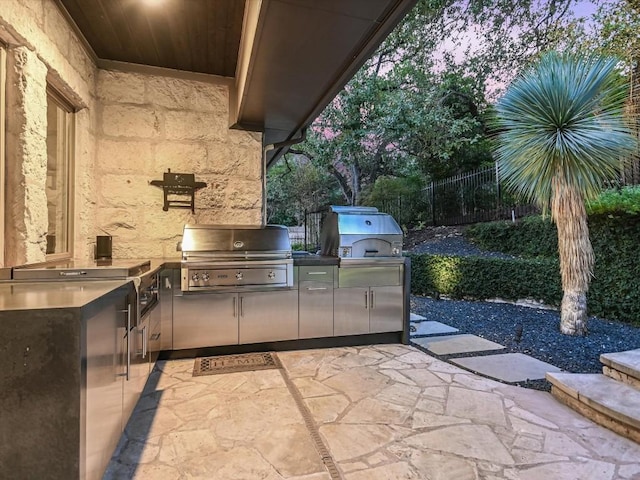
(471, 197)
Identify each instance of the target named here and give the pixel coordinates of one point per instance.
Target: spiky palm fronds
(562, 135)
(563, 117)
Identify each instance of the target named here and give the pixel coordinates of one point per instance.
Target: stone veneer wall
(42, 50)
(151, 123)
(130, 128)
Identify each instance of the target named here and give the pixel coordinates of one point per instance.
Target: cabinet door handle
(316, 273)
(129, 339)
(235, 308)
(373, 298)
(366, 300)
(144, 342)
(316, 288)
(241, 307)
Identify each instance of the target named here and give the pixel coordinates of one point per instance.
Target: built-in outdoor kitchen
(100, 326)
(133, 206)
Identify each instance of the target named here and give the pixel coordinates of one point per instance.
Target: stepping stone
(508, 367)
(456, 344)
(414, 317)
(432, 328)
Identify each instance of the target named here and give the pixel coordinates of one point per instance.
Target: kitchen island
(61, 383)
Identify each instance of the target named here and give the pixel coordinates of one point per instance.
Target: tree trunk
(573, 313)
(576, 255)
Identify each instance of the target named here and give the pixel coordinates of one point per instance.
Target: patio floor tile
(427, 420)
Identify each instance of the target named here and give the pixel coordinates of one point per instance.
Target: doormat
(235, 363)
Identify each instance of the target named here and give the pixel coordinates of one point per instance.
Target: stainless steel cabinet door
(106, 366)
(385, 309)
(168, 279)
(268, 316)
(205, 320)
(155, 336)
(138, 341)
(315, 309)
(351, 311)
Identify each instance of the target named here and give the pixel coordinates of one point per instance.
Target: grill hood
(360, 232)
(221, 241)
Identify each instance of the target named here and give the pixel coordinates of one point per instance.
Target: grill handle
(72, 274)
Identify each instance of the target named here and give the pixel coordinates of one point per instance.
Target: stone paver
(432, 328)
(413, 317)
(626, 362)
(509, 367)
(451, 344)
(427, 420)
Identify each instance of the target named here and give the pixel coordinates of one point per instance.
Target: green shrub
(616, 201)
(533, 237)
(483, 277)
(615, 289)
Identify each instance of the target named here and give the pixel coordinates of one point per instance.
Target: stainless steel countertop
(33, 295)
(50, 295)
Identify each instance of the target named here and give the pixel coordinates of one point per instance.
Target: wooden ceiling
(302, 55)
(193, 35)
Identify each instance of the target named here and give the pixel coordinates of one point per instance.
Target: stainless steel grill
(360, 233)
(228, 257)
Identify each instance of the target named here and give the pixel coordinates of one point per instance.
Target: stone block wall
(150, 123)
(129, 129)
(42, 50)
(26, 201)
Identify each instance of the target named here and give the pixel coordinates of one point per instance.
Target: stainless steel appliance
(237, 286)
(360, 232)
(82, 270)
(371, 293)
(227, 257)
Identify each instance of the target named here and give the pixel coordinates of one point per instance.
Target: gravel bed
(455, 245)
(540, 335)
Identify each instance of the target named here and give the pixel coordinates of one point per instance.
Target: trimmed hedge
(482, 278)
(531, 237)
(615, 289)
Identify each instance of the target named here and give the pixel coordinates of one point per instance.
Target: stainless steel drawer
(369, 276)
(321, 274)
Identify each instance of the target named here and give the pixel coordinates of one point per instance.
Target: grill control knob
(271, 274)
(239, 276)
(195, 277)
(205, 277)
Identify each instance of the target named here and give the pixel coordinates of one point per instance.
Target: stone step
(610, 403)
(622, 366)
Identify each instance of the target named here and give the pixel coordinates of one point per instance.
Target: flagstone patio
(375, 413)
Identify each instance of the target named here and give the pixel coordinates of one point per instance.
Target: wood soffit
(303, 53)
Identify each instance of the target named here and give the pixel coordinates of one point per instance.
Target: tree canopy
(422, 105)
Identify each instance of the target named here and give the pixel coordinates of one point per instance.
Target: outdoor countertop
(314, 260)
(54, 295)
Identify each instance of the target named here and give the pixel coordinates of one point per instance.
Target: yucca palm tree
(561, 135)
